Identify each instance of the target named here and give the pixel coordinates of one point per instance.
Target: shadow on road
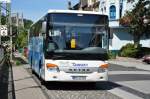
(80, 86)
(71, 86)
(6, 80)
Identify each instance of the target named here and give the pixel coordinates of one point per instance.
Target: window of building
(104, 9)
(112, 13)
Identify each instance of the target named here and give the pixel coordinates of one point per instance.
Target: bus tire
(43, 82)
(40, 75)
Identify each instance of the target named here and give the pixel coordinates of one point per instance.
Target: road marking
(128, 72)
(131, 89)
(123, 94)
(141, 86)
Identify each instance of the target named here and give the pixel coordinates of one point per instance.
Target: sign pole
(0, 22)
(10, 28)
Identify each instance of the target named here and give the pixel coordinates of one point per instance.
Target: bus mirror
(110, 33)
(44, 27)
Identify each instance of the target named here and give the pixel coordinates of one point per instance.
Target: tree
(130, 0)
(27, 23)
(22, 38)
(134, 19)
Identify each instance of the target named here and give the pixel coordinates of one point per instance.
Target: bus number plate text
(78, 77)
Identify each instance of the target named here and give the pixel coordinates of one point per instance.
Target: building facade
(115, 9)
(87, 5)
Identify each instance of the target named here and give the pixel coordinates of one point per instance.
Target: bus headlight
(52, 67)
(103, 68)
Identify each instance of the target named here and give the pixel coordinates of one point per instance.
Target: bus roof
(74, 11)
(71, 11)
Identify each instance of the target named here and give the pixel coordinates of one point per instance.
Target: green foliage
(27, 23)
(3, 20)
(111, 55)
(18, 62)
(20, 34)
(134, 19)
(129, 50)
(143, 51)
(21, 39)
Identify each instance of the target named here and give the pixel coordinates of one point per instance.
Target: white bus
(70, 46)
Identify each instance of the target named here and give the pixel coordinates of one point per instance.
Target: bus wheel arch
(40, 69)
(43, 82)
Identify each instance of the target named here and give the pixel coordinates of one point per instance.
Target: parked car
(146, 59)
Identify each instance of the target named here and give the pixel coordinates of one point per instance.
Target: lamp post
(0, 22)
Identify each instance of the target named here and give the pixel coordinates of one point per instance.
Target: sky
(34, 9)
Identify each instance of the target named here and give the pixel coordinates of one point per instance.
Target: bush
(129, 51)
(18, 62)
(111, 55)
(144, 50)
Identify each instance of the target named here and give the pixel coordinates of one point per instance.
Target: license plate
(78, 77)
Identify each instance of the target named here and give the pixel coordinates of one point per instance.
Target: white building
(115, 9)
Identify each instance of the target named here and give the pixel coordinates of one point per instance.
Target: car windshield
(68, 36)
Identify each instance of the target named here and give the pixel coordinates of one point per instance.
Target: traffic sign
(3, 30)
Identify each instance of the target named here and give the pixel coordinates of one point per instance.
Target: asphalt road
(79, 91)
(132, 80)
(126, 77)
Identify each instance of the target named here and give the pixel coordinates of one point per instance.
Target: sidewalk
(25, 86)
(130, 62)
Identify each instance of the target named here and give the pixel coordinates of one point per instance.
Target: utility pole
(22, 22)
(0, 22)
(10, 28)
(17, 23)
(9, 25)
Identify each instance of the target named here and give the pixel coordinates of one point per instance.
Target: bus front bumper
(69, 77)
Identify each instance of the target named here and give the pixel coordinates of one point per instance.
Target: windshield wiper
(89, 50)
(58, 56)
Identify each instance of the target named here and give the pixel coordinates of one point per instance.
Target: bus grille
(80, 70)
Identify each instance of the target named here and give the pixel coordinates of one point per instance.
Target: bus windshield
(73, 34)
(83, 35)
